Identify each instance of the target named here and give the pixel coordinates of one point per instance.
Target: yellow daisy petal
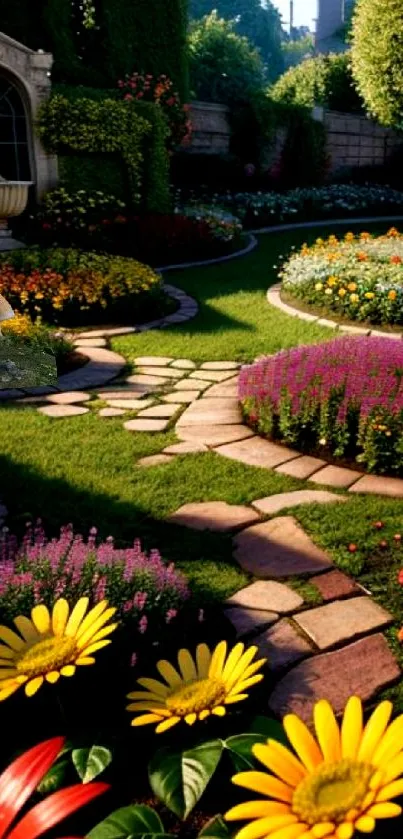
(345, 831)
(389, 791)
(281, 761)
(203, 659)
(327, 730)
(262, 827)
(241, 686)
(351, 728)
(163, 726)
(41, 618)
(169, 673)
(232, 661)
(8, 691)
(302, 741)
(366, 824)
(26, 628)
(191, 718)
(265, 784)
(60, 616)
(11, 638)
(33, 685)
(106, 630)
(94, 647)
(52, 677)
(219, 711)
(68, 670)
(238, 671)
(154, 686)
(292, 831)
(7, 673)
(6, 662)
(256, 810)
(257, 665)
(145, 719)
(390, 744)
(148, 706)
(239, 697)
(204, 714)
(394, 769)
(187, 666)
(94, 628)
(76, 617)
(319, 831)
(218, 659)
(6, 652)
(91, 617)
(385, 810)
(374, 731)
(85, 659)
(143, 694)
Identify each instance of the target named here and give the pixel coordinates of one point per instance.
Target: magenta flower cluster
(344, 395)
(145, 590)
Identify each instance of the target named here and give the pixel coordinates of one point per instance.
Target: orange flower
(392, 295)
(396, 260)
(362, 256)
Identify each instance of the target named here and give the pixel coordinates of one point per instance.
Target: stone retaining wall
(355, 141)
(210, 128)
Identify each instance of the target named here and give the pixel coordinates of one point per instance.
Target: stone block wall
(355, 141)
(211, 130)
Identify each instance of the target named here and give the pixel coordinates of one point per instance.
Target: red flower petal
(56, 807)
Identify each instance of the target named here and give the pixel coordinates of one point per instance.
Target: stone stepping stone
(278, 548)
(154, 460)
(90, 342)
(344, 620)
(111, 412)
(222, 389)
(247, 621)
(212, 375)
(185, 448)
(146, 425)
(282, 645)
(147, 381)
(129, 404)
(335, 585)
(184, 396)
(220, 365)
(104, 333)
(361, 669)
(62, 411)
(131, 392)
(257, 452)
(302, 467)
(374, 485)
(164, 372)
(161, 411)
(69, 398)
(211, 412)
(153, 360)
(273, 503)
(191, 384)
(213, 515)
(184, 364)
(214, 435)
(336, 476)
(267, 594)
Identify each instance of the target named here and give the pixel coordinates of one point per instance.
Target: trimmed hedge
(81, 127)
(377, 58)
(323, 80)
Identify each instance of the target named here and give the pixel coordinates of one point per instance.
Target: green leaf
(216, 828)
(138, 821)
(180, 778)
(55, 777)
(270, 728)
(240, 749)
(91, 762)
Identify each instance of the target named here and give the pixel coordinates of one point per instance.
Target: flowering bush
(160, 89)
(64, 215)
(146, 592)
(66, 283)
(344, 396)
(22, 329)
(360, 277)
(258, 209)
(224, 227)
(183, 236)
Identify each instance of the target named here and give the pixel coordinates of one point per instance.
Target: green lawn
(84, 469)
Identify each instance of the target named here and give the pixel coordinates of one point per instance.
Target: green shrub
(224, 67)
(81, 127)
(377, 58)
(324, 80)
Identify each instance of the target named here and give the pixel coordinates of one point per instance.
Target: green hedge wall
(105, 143)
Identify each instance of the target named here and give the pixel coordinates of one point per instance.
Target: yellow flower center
(196, 696)
(330, 792)
(50, 654)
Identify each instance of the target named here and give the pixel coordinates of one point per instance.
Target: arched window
(14, 148)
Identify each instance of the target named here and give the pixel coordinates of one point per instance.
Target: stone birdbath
(13, 201)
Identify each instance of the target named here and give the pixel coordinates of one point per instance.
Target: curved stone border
(307, 225)
(250, 246)
(274, 298)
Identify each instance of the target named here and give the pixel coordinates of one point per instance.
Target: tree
(323, 80)
(296, 49)
(224, 67)
(377, 58)
(259, 22)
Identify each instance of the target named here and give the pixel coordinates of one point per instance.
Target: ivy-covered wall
(144, 35)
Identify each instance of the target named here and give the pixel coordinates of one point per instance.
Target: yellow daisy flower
(50, 645)
(198, 688)
(341, 782)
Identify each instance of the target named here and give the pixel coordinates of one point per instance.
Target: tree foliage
(323, 80)
(377, 58)
(224, 67)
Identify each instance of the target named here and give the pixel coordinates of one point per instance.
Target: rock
(335, 476)
(282, 645)
(62, 411)
(247, 621)
(267, 594)
(278, 548)
(213, 435)
(273, 503)
(213, 515)
(335, 585)
(342, 620)
(257, 452)
(145, 425)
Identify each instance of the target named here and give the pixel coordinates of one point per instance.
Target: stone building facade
(331, 17)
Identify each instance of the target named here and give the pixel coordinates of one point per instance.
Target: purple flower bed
(344, 397)
(147, 592)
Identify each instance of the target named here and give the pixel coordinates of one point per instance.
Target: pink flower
(143, 623)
